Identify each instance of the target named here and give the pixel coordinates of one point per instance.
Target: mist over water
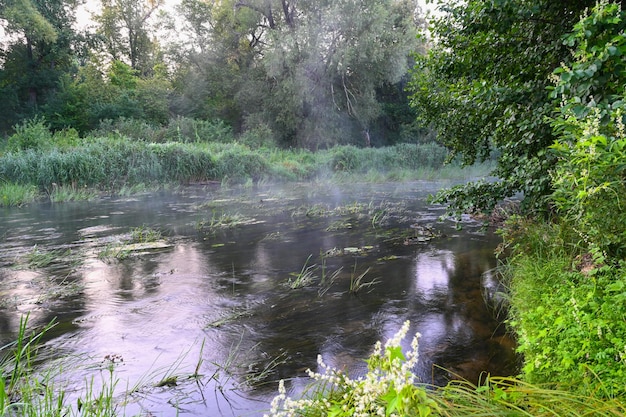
(221, 296)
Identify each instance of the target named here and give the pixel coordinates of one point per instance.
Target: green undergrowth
(568, 310)
(390, 388)
(59, 169)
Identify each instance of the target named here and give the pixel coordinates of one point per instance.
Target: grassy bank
(111, 164)
(391, 389)
(125, 156)
(567, 308)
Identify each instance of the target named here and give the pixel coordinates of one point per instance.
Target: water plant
(305, 277)
(66, 193)
(14, 195)
(144, 234)
(27, 392)
(356, 281)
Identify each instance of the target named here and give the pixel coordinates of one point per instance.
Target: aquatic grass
(356, 281)
(144, 234)
(15, 195)
(305, 277)
(37, 258)
(67, 193)
(114, 251)
(327, 280)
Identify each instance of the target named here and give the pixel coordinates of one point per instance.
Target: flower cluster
(388, 389)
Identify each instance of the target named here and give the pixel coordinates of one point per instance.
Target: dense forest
(309, 74)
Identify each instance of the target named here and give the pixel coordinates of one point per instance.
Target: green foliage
(30, 134)
(567, 310)
(388, 389)
(589, 187)
(589, 181)
(12, 195)
(238, 164)
(482, 87)
(595, 77)
(180, 129)
(144, 234)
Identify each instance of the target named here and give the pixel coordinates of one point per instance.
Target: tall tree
(311, 71)
(484, 88)
(41, 47)
(125, 29)
(324, 63)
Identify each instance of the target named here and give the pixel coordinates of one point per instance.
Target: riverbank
(119, 165)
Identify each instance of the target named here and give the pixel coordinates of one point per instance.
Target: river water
(246, 287)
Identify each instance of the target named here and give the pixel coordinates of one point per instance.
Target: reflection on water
(219, 295)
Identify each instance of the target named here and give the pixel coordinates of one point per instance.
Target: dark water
(218, 298)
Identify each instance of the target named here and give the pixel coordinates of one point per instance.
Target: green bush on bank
(569, 312)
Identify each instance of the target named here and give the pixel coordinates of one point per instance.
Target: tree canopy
(304, 73)
(483, 86)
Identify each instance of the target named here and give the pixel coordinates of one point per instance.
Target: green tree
(315, 73)
(42, 45)
(124, 26)
(325, 62)
(212, 53)
(483, 88)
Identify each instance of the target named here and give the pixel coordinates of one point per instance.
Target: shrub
(589, 182)
(30, 134)
(388, 389)
(567, 311)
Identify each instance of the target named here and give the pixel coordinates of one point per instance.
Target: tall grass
(26, 392)
(62, 167)
(12, 194)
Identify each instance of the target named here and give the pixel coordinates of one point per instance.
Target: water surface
(219, 294)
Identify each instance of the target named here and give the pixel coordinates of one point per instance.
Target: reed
(305, 277)
(15, 195)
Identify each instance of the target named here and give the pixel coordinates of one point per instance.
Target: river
(246, 286)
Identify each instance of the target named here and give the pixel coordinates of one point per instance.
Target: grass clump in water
(15, 195)
(26, 392)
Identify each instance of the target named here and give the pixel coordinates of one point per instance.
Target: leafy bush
(388, 389)
(567, 311)
(30, 134)
(589, 188)
(589, 182)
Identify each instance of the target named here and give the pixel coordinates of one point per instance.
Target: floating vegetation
(388, 258)
(140, 240)
(339, 225)
(53, 289)
(274, 236)
(226, 221)
(38, 259)
(144, 234)
(233, 316)
(362, 250)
